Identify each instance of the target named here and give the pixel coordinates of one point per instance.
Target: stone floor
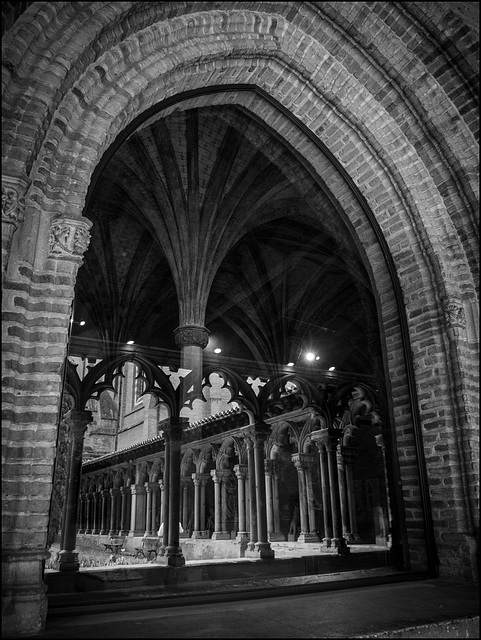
(285, 608)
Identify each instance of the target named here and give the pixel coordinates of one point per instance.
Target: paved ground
(350, 613)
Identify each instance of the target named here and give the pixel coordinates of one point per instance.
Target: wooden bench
(115, 545)
(148, 550)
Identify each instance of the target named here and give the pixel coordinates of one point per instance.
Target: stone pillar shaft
(77, 422)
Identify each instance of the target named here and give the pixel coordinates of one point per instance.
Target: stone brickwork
(387, 89)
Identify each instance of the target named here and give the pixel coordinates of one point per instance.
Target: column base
(68, 561)
(242, 536)
(200, 535)
(261, 550)
(327, 542)
(308, 537)
(24, 599)
(172, 557)
(276, 537)
(341, 547)
(220, 535)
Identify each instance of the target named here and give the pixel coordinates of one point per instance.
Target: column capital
(270, 467)
(191, 335)
(173, 429)
(303, 460)
(328, 438)
(13, 192)
(125, 490)
(200, 478)
(256, 433)
(241, 471)
(218, 475)
(349, 454)
(136, 489)
(69, 238)
(78, 421)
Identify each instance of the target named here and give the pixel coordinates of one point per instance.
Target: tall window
(138, 387)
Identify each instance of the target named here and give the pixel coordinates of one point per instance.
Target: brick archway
(361, 85)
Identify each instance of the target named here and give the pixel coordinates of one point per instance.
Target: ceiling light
(318, 357)
(290, 364)
(331, 368)
(130, 342)
(217, 350)
(310, 355)
(81, 323)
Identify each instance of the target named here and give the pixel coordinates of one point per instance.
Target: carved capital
(200, 479)
(13, 192)
(303, 460)
(349, 454)
(191, 335)
(78, 421)
(256, 434)
(454, 312)
(241, 471)
(69, 238)
(327, 438)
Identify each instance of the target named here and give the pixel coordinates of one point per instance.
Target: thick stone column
(341, 473)
(241, 473)
(137, 523)
(82, 506)
(124, 510)
(88, 513)
(104, 511)
(251, 479)
(326, 500)
(349, 455)
(149, 488)
(186, 515)
(302, 462)
(200, 481)
(277, 534)
(114, 511)
(331, 440)
(155, 505)
(77, 425)
(96, 512)
(173, 438)
(218, 476)
(257, 434)
(192, 340)
(163, 510)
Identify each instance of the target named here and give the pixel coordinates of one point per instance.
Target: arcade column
(77, 422)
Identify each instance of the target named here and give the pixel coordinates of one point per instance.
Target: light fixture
(130, 342)
(81, 323)
(331, 368)
(318, 357)
(217, 350)
(310, 355)
(290, 364)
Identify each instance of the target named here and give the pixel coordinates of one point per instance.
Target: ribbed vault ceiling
(202, 216)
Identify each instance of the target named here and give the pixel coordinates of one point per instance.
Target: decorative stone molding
(12, 200)
(191, 335)
(454, 312)
(69, 238)
(303, 460)
(13, 191)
